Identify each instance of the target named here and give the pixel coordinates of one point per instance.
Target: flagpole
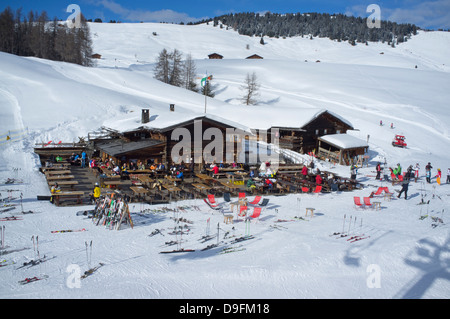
(204, 89)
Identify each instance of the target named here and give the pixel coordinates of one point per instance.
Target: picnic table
(205, 178)
(232, 175)
(145, 179)
(67, 183)
(60, 177)
(201, 187)
(173, 179)
(114, 183)
(74, 194)
(229, 185)
(139, 191)
(60, 172)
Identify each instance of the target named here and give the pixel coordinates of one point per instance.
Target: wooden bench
(71, 184)
(60, 177)
(75, 194)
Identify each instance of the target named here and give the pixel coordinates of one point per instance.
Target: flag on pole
(206, 78)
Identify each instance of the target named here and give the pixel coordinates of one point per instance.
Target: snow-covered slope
(45, 100)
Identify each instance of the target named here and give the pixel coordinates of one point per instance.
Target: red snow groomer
(399, 141)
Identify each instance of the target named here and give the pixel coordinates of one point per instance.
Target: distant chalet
(215, 56)
(255, 56)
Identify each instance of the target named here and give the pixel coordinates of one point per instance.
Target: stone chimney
(145, 116)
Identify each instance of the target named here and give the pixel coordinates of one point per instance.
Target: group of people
(412, 172)
(78, 159)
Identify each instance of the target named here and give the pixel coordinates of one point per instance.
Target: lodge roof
(119, 147)
(343, 141)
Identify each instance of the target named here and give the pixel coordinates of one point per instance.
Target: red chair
(318, 189)
(379, 191)
(357, 202)
(256, 213)
(242, 211)
(255, 201)
(367, 202)
(212, 199)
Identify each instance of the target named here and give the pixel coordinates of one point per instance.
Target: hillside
(47, 100)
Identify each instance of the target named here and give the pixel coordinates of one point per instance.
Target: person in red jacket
(304, 171)
(318, 180)
(215, 169)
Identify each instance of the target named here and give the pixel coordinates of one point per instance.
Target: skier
(353, 171)
(416, 172)
(399, 170)
(318, 179)
(96, 194)
(438, 176)
(378, 171)
(305, 171)
(83, 159)
(405, 185)
(55, 188)
(428, 172)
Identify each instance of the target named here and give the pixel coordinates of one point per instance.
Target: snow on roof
(343, 141)
(166, 120)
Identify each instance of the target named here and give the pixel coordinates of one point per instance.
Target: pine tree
(176, 68)
(161, 70)
(207, 89)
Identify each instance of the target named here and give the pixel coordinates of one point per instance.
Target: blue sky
(431, 14)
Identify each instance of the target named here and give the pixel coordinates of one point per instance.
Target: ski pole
(343, 225)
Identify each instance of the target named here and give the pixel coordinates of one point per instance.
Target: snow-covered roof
(343, 141)
(166, 120)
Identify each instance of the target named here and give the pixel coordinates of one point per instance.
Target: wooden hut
(254, 56)
(216, 56)
(343, 149)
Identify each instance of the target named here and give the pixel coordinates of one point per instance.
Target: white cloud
(145, 15)
(425, 14)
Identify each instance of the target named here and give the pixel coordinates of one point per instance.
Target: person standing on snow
(448, 175)
(405, 185)
(428, 172)
(438, 176)
(416, 172)
(378, 168)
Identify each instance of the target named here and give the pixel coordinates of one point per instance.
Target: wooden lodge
(304, 138)
(154, 144)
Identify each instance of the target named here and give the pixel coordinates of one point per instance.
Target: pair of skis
(68, 230)
(353, 238)
(91, 270)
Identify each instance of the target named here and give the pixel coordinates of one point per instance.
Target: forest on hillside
(36, 35)
(337, 27)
